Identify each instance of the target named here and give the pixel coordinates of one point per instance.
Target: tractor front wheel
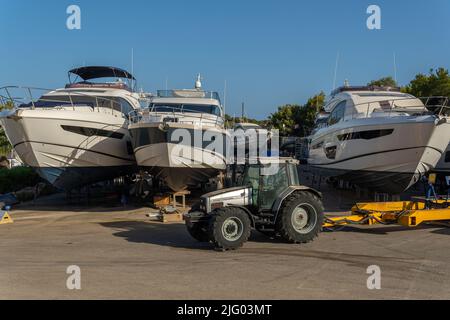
(300, 218)
(197, 230)
(229, 228)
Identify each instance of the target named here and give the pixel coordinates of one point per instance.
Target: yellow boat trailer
(405, 213)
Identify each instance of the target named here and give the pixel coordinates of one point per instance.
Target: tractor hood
(236, 196)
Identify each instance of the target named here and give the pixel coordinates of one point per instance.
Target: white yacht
(376, 137)
(180, 137)
(76, 135)
(443, 166)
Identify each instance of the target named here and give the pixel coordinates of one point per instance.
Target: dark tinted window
(116, 103)
(447, 156)
(366, 135)
(89, 132)
(166, 107)
(211, 109)
(337, 114)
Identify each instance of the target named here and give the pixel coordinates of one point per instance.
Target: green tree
(294, 119)
(5, 146)
(383, 82)
(284, 119)
(306, 115)
(231, 121)
(436, 83)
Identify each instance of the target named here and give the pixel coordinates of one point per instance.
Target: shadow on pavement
(383, 230)
(59, 202)
(172, 235)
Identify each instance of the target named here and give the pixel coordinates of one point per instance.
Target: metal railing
(438, 106)
(66, 98)
(187, 94)
(184, 115)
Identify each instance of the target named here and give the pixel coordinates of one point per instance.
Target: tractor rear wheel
(301, 217)
(229, 228)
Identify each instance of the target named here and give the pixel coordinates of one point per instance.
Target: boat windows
(61, 101)
(366, 135)
(447, 156)
(115, 103)
(337, 114)
(125, 106)
(193, 108)
(89, 132)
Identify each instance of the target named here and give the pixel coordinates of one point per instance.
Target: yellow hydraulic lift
(406, 213)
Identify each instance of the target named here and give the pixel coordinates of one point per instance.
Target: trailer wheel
(301, 217)
(229, 228)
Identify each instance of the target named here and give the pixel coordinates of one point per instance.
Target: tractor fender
(286, 193)
(249, 213)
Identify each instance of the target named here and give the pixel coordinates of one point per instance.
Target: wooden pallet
(171, 217)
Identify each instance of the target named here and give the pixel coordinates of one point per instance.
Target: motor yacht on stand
(443, 165)
(378, 138)
(180, 137)
(76, 135)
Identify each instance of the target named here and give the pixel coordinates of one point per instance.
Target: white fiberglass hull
(179, 165)
(383, 154)
(443, 166)
(71, 148)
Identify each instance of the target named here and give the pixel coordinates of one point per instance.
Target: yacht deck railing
(8, 96)
(187, 94)
(184, 115)
(437, 105)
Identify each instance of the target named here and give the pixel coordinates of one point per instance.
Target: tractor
(267, 197)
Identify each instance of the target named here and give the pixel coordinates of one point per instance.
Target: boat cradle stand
(406, 213)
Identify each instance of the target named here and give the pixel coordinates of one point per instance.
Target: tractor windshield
(267, 187)
(272, 186)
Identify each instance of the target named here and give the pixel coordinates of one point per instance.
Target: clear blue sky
(270, 52)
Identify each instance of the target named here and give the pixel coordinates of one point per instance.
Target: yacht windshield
(194, 108)
(115, 103)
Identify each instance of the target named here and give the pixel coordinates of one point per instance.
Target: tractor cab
(268, 178)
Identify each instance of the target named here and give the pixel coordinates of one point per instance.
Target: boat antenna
(395, 69)
(242, 112)
(224, 96)
(335, 70)
(132, 68)
(198, 82)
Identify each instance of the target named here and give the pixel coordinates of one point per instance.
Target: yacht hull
(388, 156)
(443, 166)
(70, 149)
(180, 165)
